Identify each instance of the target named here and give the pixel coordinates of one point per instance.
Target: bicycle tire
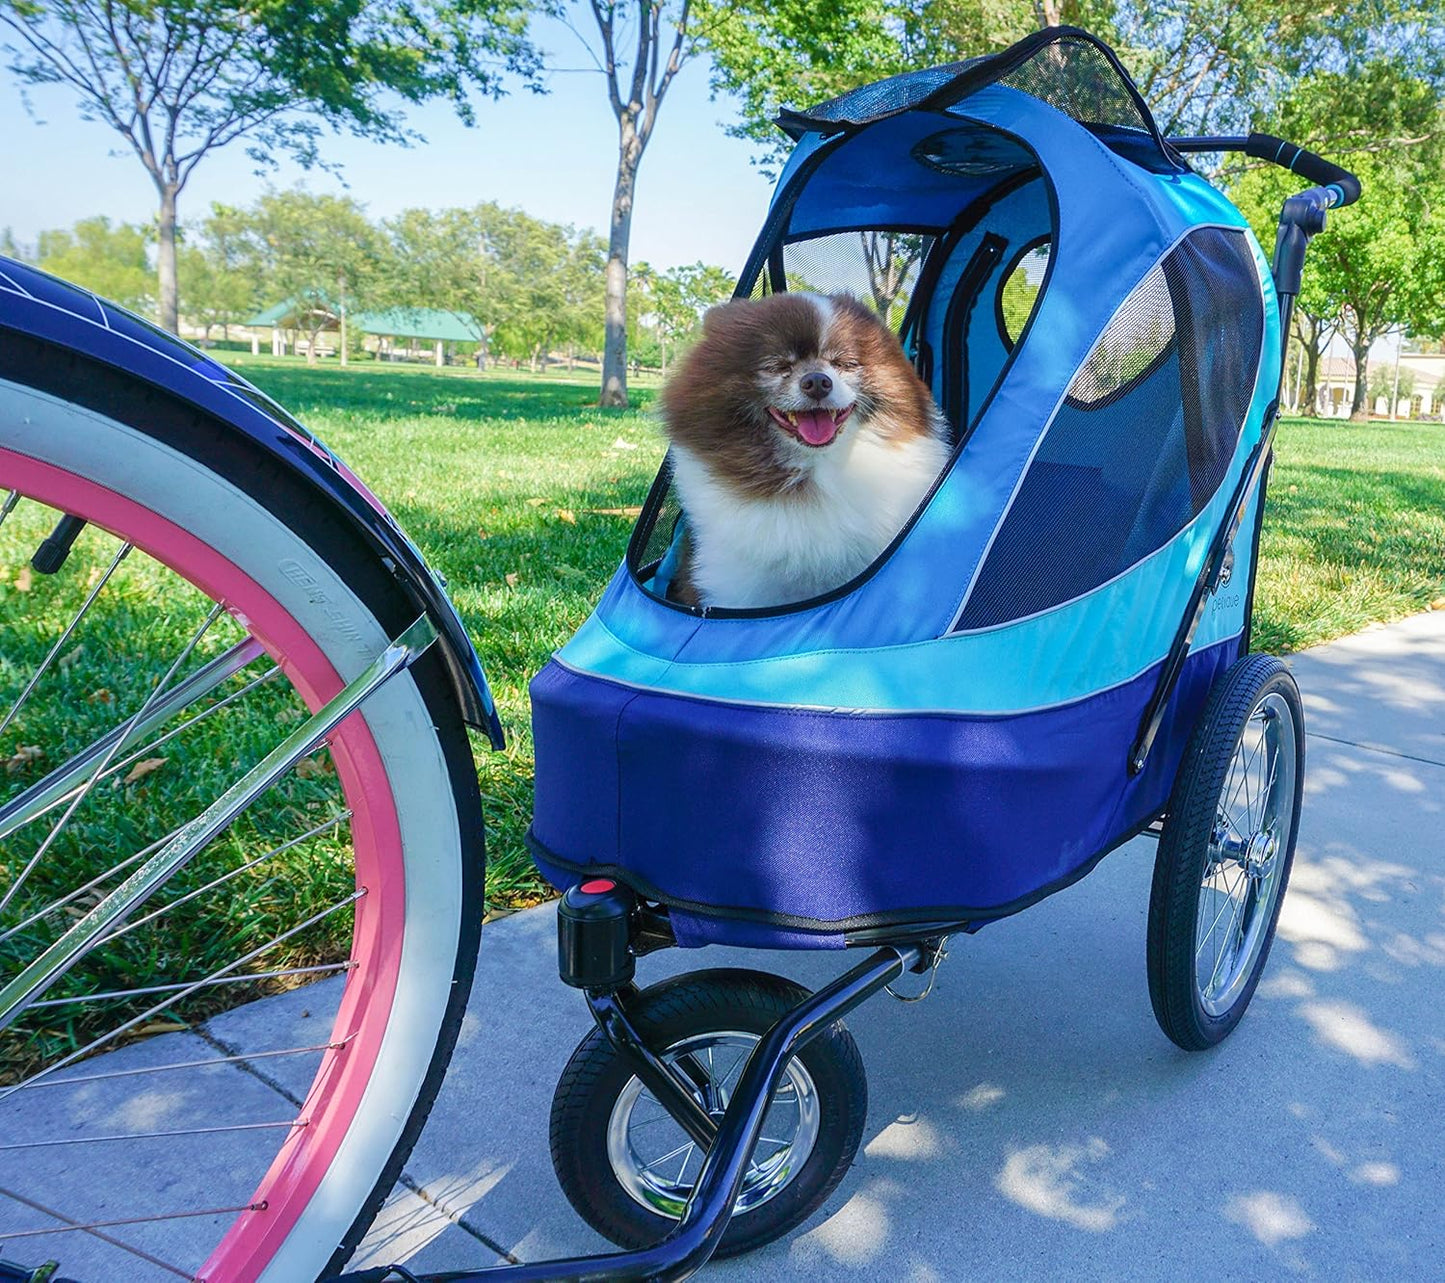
(89, 440)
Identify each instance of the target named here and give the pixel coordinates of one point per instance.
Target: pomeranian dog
(802, 441)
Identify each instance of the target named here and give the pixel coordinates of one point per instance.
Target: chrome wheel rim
(658, 1165)
(1244, 865)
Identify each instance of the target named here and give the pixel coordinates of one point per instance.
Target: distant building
(1335, 386)
(395, 333)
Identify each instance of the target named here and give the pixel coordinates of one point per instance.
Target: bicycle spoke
(131, 1220)
(324, 968)
(94, 777)
(225, 877)
(115, 1033)
(46, 969)
(176, 1066)
(48, 793)
(56, 1141)
(79, 1227)
(70, 628)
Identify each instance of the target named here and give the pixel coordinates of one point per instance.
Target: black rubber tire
(1184, 845)
(225, 452)
(666, 1014)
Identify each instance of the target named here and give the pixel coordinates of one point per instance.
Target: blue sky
(553, 156)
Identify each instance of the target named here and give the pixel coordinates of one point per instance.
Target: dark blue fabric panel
(694, 930)
(574, 729)
(821, 819)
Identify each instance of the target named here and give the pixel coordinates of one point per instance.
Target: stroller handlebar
(1343, 187)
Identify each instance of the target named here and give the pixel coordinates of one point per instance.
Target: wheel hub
(1259, 854)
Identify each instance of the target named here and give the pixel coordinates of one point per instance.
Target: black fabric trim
(979, 73)
(868, 928)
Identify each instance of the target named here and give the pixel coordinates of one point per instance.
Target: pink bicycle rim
(336, 1092)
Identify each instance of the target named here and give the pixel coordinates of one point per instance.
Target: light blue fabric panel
(1098, 641)
(1021, 216)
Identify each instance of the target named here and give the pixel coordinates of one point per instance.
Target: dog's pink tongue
(816, 427)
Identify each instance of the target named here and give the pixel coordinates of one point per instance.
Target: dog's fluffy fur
(792, 488)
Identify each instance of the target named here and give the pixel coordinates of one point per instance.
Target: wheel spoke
(45, 970)
(84, 791)
(97, 1233)
(225, 877)
(115, 1033)
(65, 636)
(55, 1141)
(210, 1061)
(59, 785)
(322, 968)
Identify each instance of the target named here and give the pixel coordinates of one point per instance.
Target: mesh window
(659, 520)
(878, 267)
(887, 97)
(1143, 439)
(1076, 77)
(1019, 293)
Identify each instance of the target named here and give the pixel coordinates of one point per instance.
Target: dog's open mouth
(811, 427)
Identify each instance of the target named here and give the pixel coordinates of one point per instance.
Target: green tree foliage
(321, 252)
(177, 79)
(673, 303)
(109, 258)
(1203, 65)
(1376, 267)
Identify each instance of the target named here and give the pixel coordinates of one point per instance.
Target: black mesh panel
(1075, 77)
(1143, 439)
(879, 268)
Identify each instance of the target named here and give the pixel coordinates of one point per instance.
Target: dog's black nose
(816, 385)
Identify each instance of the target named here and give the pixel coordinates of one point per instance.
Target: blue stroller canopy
(945, 738)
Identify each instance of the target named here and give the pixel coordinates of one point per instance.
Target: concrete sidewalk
(1029, 1120)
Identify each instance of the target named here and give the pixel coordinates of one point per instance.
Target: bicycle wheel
(209, 607)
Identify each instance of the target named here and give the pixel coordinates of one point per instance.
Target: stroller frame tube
(689, 1247)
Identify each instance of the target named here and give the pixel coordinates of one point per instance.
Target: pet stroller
(1049, 659)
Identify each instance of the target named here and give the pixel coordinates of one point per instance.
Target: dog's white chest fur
(749, 552)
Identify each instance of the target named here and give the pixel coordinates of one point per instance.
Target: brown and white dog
(802, 441)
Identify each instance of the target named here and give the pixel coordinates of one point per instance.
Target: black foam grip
(1305, 163)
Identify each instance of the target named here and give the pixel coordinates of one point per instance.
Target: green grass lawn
(516, 488)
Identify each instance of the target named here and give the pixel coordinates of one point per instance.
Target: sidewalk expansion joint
(1373, 748)
(457, 1219)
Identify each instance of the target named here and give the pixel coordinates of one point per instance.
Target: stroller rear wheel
(1225, 853)
(628, 1168)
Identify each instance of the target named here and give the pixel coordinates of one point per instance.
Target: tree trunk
(1360, 406)
(614, 347)
(168, 297)
(1309, 400)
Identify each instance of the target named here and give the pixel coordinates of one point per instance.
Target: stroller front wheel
(1225, 853)
(628, 1168)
